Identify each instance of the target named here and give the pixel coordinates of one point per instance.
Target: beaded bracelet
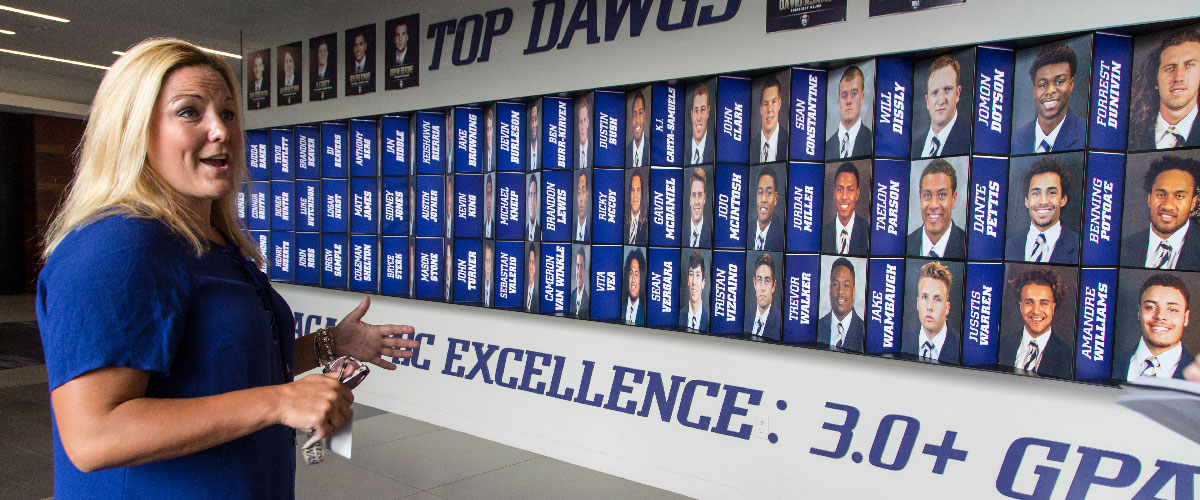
(324, 347)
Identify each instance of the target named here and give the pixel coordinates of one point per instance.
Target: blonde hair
(112, 174)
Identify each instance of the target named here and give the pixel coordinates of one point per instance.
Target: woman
(170, 358)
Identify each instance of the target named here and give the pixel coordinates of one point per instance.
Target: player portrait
(1165, 82)
(489, 205)
(402, 49)
(846, 212)
(694, 313)
(1052, 89)
(637, 112)
(533, 208)
(937, 208)
(764, 294)
(535, 131)
(933, 295)
(1161, 203)
(448, 215)
(637, 200)
(322, 67)
(700, 143)
(698, 193)
(360, 60)
(530, 299)
(768, 198)
(1154, 333)
(489, 138)
(258, 86)
(291, 74)
(769, 123)
(942, 115)
(633, 293)
(1045, 208)
(448, 269)
(488, 296)
(1037, 322)
(581, 224)
(583, 132)
(843, 303)
(580, 303)
(848, 116)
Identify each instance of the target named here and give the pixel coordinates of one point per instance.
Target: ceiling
(97, 28)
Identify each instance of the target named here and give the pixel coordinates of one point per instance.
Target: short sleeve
(113, 294)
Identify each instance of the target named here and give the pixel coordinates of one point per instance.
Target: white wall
(989, 411)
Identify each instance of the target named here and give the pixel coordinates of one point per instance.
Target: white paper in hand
(342, 440)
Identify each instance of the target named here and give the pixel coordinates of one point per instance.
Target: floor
(395, 457)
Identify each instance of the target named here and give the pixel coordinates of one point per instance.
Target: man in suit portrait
(489, 218)
(635, 217)
(934, 339)
(448, 277)
(694, 315)
(1164, 95)
(842, 328)
(1163, 313)
(535, 127)
(946, 136)
(699, 231)
(402, 57)
(322, 60)
(938, 237)
(1045, 185)
(1038, 293)
(289, 69)
(533, 229)
(488, 261)
(766, 319)
(448, 214)
(700, 148)
(489, 139)
(583, 203)
(360, 54)
(532, 304)
(847, 235)
(633, 310)
(1056, 127)
(579, 295)
(583, 124)
(259, 70)
(635, 151)
(1168, 242)
(768, 230)
(853, 137)
(771, 136)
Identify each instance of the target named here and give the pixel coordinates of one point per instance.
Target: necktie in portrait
(1039, 247)
(934, 146)
(1031, 357)
(1151, 369)
(1164, 256)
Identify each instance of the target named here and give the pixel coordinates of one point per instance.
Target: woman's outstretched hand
(369, 343)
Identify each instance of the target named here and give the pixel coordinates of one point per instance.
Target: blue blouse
(123, 291)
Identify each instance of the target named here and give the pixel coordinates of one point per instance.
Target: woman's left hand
(369, 343)
(1192, 371)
